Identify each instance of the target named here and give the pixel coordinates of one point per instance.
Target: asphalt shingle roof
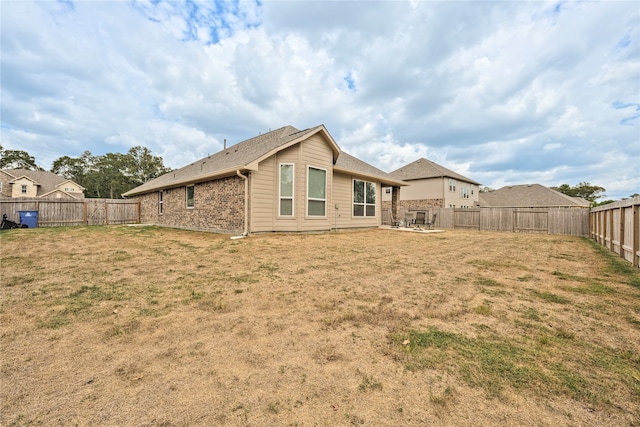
(245, 154)
(423, 169)
(46, 181)
(348, 163)
(529, 195)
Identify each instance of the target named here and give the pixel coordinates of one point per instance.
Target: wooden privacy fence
(617, 227)
(568, 221)
(67, 212)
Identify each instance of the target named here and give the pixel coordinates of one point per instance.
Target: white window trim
(186, 196)
(452, 185)
(326, 174)
(160, 202)
(293, 190)
(364, 204)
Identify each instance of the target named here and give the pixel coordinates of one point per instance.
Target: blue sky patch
(351, 83)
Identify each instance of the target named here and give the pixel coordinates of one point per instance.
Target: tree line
(111, 174)
(103, 176)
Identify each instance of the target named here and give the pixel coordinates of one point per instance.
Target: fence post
(106, 213)
(621, 239)
(636, 235)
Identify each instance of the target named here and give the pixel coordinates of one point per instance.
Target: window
(464, 192)
(24, 189)
(286, 189)
(160, 202)
(191, 196)
(317, 192)
(387, 190)
(364, 198)
(452, 185)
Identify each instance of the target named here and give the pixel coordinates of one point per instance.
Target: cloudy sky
(501, 92)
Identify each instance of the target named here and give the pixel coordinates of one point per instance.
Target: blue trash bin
(29, 218)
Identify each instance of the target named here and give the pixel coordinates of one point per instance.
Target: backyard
(148, 326)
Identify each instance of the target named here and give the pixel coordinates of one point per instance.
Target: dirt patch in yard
(149, 326)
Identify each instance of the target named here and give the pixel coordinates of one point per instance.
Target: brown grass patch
(151, 326)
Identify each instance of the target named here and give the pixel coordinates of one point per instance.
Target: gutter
(246, 202)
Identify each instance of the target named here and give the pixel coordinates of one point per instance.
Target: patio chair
(432, 223)
(395, 223)
(420, 219)
(408, 219)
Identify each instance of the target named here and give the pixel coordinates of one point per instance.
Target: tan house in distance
(283, 180)
(37, 184)
(530, 196)
(430, 185)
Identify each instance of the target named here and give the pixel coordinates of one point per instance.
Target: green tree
(142, 166)
(110, 175)
(17, 159)
(583, 190)
(107, 176)
(71, 168)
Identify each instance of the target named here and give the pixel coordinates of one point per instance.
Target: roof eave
(190, 180)
(383, 180)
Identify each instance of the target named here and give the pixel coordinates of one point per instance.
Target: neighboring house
(37, 184)
(430, 185)
(283, 180)
(530, 196)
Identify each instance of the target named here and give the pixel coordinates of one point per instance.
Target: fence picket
(58, 212)
(616, 227)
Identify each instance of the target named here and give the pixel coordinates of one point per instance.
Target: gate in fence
(69, 212)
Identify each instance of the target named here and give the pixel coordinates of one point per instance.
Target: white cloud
(503, 92)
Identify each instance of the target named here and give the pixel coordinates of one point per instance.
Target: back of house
(283, 180)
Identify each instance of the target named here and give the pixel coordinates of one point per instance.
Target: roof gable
(59, 192)
(424, 169)
(46, 181)
(242, 156)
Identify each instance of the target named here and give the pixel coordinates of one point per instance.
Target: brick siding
(412, 205)
(218, 206)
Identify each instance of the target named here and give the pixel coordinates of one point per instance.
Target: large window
(464, 192)
(160, 202)
(317, 192)
(286, 190)
(452, 185)
(191, 196)
(364, 198)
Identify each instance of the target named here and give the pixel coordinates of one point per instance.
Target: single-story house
(430, 185)
(283, 180)
(530, 196)
(38, 184)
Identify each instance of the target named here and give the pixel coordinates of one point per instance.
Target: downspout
(246, 202)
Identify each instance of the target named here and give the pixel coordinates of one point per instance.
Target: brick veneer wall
(406, 205)
(219, 206)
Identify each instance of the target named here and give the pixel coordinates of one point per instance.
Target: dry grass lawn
(145, 326)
